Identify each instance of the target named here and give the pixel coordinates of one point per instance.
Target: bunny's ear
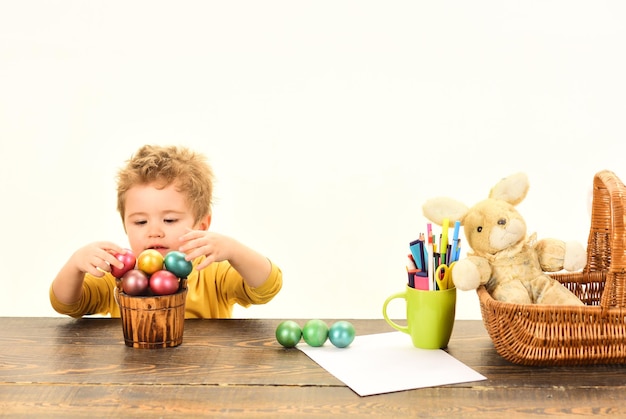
(438, 209)
(511, 189)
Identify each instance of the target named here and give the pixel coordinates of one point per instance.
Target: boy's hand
(251, 265)
(97, 258)
(215, 247)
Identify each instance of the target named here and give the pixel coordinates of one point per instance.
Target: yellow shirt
(212, 293)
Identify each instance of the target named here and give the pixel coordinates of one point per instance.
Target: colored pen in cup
(411, 273)
(420, 281)
(431, 262)
(444, 239)
(455, 242)
(417, 252)
(411, 262)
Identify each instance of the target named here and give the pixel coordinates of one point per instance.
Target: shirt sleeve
(267, 291)
(236, 290)
(97, 298)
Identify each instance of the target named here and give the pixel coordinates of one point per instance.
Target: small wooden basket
(550, 335)
(152, 322)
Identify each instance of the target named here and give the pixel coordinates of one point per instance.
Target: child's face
(157, 218)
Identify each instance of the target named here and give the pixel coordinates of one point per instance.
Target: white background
(328, 124)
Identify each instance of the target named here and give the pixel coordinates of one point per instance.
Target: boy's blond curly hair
(167, 165)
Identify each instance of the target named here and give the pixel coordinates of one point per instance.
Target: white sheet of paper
(388, 362)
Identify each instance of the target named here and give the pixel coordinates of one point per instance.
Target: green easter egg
(175, 262)
(288, 333)
(315, 332)
(341, 333)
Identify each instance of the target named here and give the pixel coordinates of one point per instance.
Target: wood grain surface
(61, 367)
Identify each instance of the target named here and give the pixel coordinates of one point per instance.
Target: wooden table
(61, 367)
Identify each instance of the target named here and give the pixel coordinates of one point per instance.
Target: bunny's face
(493, 225)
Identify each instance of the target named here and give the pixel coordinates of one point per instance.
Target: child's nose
(156, 233)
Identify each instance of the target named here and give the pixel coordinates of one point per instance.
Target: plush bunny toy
(511, 265)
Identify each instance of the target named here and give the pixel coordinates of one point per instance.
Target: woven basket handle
(607, 237)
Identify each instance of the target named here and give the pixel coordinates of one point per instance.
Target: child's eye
(170, 220)
(140, 222)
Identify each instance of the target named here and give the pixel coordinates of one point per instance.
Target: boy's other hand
(215, 247)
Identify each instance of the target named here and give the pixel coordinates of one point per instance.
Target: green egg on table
(315, 332)
(341, 333)
(288, 333)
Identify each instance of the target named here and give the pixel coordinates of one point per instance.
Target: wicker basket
(550, 335)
